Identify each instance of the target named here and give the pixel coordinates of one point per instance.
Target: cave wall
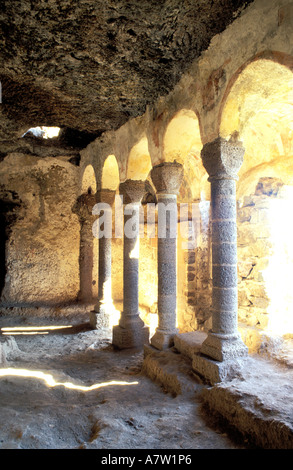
(43, 238)
(254, 250)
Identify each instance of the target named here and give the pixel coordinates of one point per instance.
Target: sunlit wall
(260, 108)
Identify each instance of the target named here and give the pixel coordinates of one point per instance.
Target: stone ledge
(259, 405)
(171, 370)
(54, 311)
(99, 320)
(212, 371)
(261, 342)
(189, 343)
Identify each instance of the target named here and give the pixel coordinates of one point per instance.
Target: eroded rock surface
(92, 65)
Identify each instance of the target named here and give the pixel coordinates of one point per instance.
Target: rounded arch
(182, 142)
(276, 57)
(259, 107)
(182, 136)
(110, 173)
(88, 182)
(139, 161)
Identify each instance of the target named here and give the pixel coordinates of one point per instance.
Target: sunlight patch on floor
(50, 381)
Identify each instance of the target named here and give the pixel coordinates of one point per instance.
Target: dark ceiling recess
(74, 138)
(92, 65)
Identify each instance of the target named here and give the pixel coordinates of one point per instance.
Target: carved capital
(84, 206)
(222, 158)
(167, 177)
(105, 195)
(132, 191)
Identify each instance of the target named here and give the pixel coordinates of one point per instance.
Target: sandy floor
(57, 392)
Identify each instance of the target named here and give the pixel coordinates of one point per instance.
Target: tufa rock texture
(92, 65)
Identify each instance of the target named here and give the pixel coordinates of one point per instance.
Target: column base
(101, 316)
(214, 372)
(99, 320)
(223, 347)
(163, 339)
(126, 338)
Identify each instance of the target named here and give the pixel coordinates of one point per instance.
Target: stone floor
(258, 402)
(68, 388)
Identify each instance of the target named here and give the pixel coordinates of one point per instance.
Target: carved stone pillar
(218, 358)
(167, 178)
(131, 331)
(83, 208)
(101, 315)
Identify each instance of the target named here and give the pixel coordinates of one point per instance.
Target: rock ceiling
(90, 65)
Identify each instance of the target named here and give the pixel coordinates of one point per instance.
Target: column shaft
(105, 266)
(131, 266)
(83, 208)
(167, 267)
(131, 331)
(104, 309)
(167, 179)
(224, 256)
(86, 262)
(222, 159)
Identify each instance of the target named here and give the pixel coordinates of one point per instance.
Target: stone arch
(182, 136)
(110, 173)
(277, 57)
(88, 181)
(139, 161)
(261, 114)
(258, 108)
(182, 142)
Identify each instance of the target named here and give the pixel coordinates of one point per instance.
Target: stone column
(83, 208)
(167, 178)
(104, 308)
(220, 352)
(131, 331)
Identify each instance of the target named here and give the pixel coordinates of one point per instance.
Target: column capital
(105, 195)
(167, 177)
(84, 206)
(222, 158)
(132, 191)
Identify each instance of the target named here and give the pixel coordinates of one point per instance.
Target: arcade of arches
(80, 231)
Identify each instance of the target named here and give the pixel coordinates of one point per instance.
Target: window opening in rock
(43, 132)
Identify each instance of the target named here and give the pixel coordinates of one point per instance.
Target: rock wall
(195, 288)
(42, 233)
(265, 257)
(254, 248)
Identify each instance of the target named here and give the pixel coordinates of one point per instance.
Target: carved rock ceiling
(90, 65)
